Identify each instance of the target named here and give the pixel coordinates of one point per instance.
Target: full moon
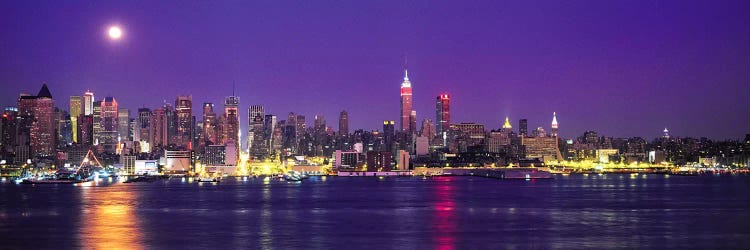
(115, 32)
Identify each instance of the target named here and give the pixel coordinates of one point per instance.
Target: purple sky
(623, 68)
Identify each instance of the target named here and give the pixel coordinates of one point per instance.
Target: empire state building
(406, 103)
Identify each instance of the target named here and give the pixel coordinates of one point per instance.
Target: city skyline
(620, 91)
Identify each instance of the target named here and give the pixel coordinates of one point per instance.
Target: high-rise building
(665, 133)
(36, 119)
(88, 103)
(143, 125)
(343, 123)
(413, 121)
(97, 116)
(8, 129)
(158, 128)
(231, 125)
(269, 126)
(184, 115)
(442, 115)
(319, 123)
(523, 127)
(406, 103)
(109, 124)
(123, 128)
(76, 109)
(171, 119)
(85, 129)
(301, 126)
(388, 135)
(210, 123)
(428, 130)
(255, 134)
(63, 129)
(553, 132)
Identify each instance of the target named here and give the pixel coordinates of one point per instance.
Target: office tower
(388, 135)
(97, 116)
(36, 119)
(171, 119)
(343, 123)
(665, 133)
(413, 122)
(269, 127)
(123, 127)
(553, 132)
(85, 129)
(256, 132)
(301, 126)
(184, 116)
(210, 123)
(158, 128)
(64, 127)
(231, 124)
(406, 99)
(143, 125)
(442, 114)
(428, 129)
(109, 124)
(8, 126)
(320, 123)
(88, 103)
(76, 109)
(523, 127)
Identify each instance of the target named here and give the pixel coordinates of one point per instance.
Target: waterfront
(570, 211)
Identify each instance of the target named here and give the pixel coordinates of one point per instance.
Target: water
(576, 211)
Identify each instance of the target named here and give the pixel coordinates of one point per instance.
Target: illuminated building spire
(406, 83)
(666, 133)
(554, 124)
(554, 119)
(507, 123)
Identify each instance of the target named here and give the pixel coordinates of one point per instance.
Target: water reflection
(444, 218)
(109, 220)
(266, 228)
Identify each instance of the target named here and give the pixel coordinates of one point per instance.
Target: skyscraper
(109, 124)
(269, 127)
(413, 122)
(142, 125)
(96, 115)
(184, 112)
(523, 127)
(158, 128)
(255, 133)
(123, 127)
(88, 103)
(343, 123)
(231, 126)
(406, 103)
(36, 115)
(428, 129)
(388, 135)
(76, 109)
(209, 124)
(442, 115)
(553, 132)
(320, 123)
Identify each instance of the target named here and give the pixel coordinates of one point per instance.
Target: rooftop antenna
(234, 82)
